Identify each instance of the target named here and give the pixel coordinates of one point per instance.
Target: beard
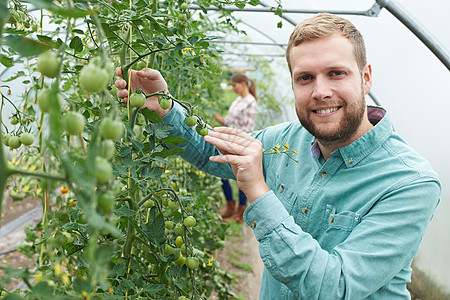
(348, 125)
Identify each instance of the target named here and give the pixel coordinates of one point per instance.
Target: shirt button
(304, 210)
(350, 161)
(253, 224)
(331, 219)
(324, 174)
(281, 188)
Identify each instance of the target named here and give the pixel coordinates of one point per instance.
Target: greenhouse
(224, 149)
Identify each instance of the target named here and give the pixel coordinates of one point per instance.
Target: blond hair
(324, 25)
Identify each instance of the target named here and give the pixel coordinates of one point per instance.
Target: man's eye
(304, 77)
(337, 73)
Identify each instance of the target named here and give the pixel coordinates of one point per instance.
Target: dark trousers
(228, 191)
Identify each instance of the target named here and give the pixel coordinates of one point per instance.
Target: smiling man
(346, 221)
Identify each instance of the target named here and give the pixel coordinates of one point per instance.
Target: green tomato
(169, 250)
(48, 64)
(46, 98)
(164, 102)
(74, 122)
(106, 202)
(189, 221)
(173, 204)
(141, 64)
(16, 196)
(26, 138)
(192, 263)
(190, 121)
(94, 78)
(14, 120)
(183, 250)
(5, 139)
(179, 241)
(180, 260)
(184, 6)
(14, 142)
(103, 171)
(149, 203)
(179, 229)
(137, 99)
(168, 224)
(107, 149)
(182, 17)
(113, 90)
(111, 129)
(202, 130)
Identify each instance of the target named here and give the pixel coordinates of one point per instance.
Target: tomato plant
(135, 221)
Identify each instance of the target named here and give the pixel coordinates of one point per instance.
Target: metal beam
(287, 11)
(418, 30)
(248, 43)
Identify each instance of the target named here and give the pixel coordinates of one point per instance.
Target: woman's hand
(244, 154)
(150, 81)
(219, 118)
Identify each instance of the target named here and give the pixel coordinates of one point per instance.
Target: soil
(240, 257)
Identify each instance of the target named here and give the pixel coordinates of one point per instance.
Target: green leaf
(43, 289)
(174, 140)
(48, 41)
(154, 288)
(153, 172)
(24, 46)
(151, 116)
(137, 147)
(124, 211)
(76, 44)
(12, 297)
(168, 152)
(73, 12)
(254, 2)
(119, 170)
(155, 230)
(6, 61)
(161, 131)
(124, 152)
(4, 13)
(41, 3)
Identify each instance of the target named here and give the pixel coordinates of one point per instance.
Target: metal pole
(418, 30)
(287, 11)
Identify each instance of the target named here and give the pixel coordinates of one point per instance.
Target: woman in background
(241, 115)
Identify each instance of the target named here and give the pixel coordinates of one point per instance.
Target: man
(345, 222)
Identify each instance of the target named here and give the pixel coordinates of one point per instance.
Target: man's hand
(150, 81)
(244, 154)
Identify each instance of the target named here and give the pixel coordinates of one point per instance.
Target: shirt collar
(355, 152)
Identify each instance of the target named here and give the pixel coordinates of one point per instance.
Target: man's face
(329, 89)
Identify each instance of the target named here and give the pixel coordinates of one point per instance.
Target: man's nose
(321, 88)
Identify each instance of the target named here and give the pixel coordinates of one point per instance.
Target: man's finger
(232, 138)
(150, 74)
(226, 146)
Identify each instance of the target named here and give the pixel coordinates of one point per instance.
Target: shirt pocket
(337, 226)
(284, 192)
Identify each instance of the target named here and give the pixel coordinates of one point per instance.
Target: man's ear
(367, 78)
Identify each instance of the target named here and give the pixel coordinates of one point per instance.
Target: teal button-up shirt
(345, 228)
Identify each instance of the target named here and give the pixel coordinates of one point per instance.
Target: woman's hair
(241, 77)
(324, 25)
